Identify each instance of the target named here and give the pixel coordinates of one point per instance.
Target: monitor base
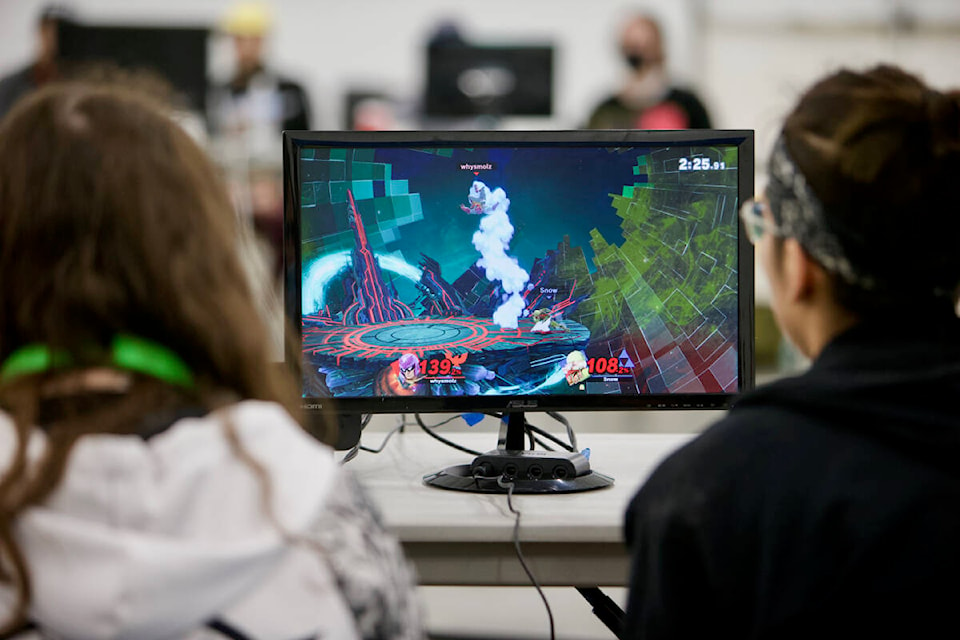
(527, 471)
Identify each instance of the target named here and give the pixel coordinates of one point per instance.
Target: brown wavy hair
(112, 219)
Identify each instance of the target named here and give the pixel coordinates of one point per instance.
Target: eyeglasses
(751, 213)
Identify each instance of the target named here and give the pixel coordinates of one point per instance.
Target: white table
(458, 538)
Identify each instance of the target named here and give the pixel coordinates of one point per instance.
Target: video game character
(408, 371)
(576, 370)
(402, 378)
(476, 198)
(543, 322)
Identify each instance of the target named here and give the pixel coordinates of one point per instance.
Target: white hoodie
(153, 539)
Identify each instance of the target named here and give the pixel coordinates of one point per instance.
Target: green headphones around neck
(128, 352)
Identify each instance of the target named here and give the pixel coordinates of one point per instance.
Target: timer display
(700, 164)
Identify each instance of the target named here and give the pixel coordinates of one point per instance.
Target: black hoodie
(823, 505)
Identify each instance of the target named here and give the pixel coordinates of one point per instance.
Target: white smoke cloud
(492, 240)
(507, 313)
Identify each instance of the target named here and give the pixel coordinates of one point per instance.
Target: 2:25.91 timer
(700, 164)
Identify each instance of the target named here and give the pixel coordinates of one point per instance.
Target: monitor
(475, 80)
(510, 272)
(177, 54)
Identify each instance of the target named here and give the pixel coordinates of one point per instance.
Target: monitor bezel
(293, 141)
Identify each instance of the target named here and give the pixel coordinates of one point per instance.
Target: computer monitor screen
(470, 80)
(178, 54)
(519, 271)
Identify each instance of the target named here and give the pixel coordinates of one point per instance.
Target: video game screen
(533, 270)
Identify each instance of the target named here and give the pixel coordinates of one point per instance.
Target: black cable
(550, 437)
(556, 416)
(351, 454)
(443, 422)
(508, 485)
(570, 434)
(385, 440)
(430, 432)
(355, 449)
(542, 443)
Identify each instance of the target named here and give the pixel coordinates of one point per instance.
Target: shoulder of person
(610, 102)
(13, 86)
(285, 83)
(16, 77)
(610, 113)
(375, 577)
(737, 450)
(683, 92)
(690, 101)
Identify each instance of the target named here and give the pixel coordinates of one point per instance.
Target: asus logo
(522, 404)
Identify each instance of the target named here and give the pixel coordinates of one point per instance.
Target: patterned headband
(800, 215)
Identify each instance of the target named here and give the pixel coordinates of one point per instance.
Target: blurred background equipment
(489, 80)
(373, 110)
(176, 53)
(472, 85)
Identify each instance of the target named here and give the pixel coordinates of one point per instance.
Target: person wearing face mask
(648, 100)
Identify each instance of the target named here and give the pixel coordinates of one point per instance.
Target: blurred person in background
(155, 481)
(246, 118)
(648, 99)
(824, 504)
(44, 67)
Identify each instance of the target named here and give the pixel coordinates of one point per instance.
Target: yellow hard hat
(248, 19)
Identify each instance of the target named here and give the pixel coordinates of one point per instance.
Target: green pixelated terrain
(676, 261)
(384, 204)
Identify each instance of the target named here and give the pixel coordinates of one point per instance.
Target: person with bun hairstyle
(154, 479)
(828, 504)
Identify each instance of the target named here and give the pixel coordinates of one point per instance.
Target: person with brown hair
(826, 504)
(154, 481)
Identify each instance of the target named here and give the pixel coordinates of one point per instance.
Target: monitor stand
(529, 471)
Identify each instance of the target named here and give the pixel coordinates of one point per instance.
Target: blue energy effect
(323, 270)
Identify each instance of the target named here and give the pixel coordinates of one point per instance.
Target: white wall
(758, 55)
